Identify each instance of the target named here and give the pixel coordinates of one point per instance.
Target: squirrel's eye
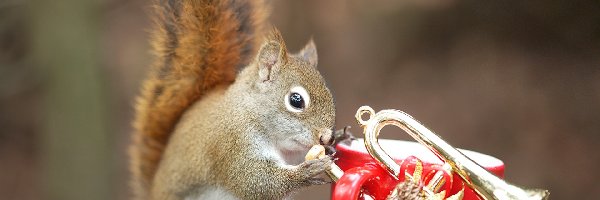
(297, 99)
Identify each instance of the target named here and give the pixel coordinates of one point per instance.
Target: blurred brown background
(519, 80)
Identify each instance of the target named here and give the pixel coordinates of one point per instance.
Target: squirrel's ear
(309, 53)
(270, 56)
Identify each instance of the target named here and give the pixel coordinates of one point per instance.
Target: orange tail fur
(198, 44)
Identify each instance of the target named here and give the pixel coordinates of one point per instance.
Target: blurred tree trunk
(75, 144)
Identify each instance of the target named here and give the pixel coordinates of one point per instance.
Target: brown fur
(242, 141)
(202, 131)
(198, 45)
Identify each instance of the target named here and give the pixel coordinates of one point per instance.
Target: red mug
(364, 177)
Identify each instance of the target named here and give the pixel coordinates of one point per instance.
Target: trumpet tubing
(487, 185)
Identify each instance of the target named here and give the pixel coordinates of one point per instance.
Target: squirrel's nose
(325, 136)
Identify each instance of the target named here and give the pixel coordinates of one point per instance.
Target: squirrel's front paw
(339, 136)
(308, 171)
(342, 135)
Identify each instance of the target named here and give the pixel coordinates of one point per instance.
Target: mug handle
(359, 179)
(350, 184)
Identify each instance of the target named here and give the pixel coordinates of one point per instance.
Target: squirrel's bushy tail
(199, 44)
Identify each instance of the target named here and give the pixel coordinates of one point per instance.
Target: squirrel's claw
(330, 150)
(342, 135)
(313, 170)
(310, 169)
(339, 136)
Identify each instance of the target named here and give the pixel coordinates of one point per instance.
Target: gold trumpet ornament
(485, 184)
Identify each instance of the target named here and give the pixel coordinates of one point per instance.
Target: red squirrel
(203, 130)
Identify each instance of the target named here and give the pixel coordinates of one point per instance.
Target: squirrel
(203, 130)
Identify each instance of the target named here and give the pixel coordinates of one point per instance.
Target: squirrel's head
(294, 105)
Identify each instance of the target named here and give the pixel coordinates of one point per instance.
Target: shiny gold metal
(335, 173)
(436, 182)
(317, 152)
(487, 185)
